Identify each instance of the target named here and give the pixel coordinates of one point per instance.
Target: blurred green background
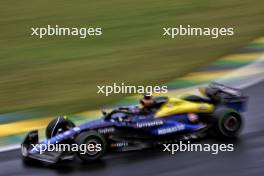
(60, 74)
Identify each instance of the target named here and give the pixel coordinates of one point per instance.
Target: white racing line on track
(239, 78)
(10, 147)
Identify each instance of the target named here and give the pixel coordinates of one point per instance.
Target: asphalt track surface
(247, 159)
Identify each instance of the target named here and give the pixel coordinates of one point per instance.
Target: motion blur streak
(257, 75)
(59, 74)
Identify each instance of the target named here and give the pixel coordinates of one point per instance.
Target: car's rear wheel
(227, 122)
(95, 145)
(58, 125)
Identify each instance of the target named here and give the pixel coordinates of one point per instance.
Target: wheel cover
(93, 142)
(231, 123)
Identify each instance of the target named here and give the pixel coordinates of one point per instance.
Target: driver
(148, 104)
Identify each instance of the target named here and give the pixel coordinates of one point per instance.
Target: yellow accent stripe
(212, 75)
(259, 40)
(33, 124)
(242, 57)
(23, 126)
(90, 113)
(202, 76)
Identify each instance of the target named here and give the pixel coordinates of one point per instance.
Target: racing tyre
(58, 125)
(95, 143)
(227, 122)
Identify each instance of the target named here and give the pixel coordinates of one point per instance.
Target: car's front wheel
(58, 125)
(93, 146)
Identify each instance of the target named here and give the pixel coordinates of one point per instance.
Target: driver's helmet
(147, 101)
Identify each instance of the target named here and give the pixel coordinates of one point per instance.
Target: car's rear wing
(232, 97)
(225, 89)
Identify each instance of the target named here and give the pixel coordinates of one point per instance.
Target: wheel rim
(93, 142)
(231, 123)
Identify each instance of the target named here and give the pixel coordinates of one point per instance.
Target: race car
(217, 112)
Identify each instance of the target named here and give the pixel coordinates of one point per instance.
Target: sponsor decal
(119, 144)
(106, 130)
(149, 124)
(176, 128)
(192, 117)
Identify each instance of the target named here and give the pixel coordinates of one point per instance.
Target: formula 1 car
(217, 112)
